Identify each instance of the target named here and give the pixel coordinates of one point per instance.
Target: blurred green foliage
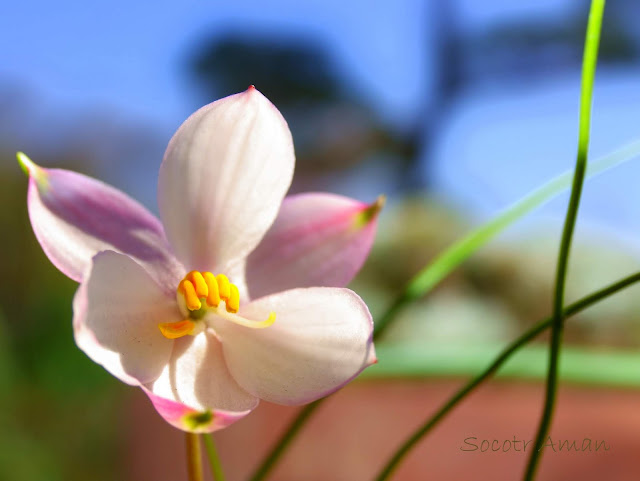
(501, 289)
(58, 410)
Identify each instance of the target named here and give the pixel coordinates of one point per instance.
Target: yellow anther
(187, 289)
(197, 287)
(213, 298)
(199, 283)
(223, 286)
(233, 301)
(174, 330)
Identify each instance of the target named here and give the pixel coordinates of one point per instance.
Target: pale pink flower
(275, 324)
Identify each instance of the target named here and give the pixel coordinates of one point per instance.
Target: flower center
(200, 293)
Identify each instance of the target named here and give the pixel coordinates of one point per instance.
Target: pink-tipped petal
(223, 178)
(116, 312)
(316, 240)
(321, 339)
(74, 217)
(197, 376)
(188, 419)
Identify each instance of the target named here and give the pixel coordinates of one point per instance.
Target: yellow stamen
(223, 286)
(187, 289)
(174, 330)
(213, 298)
(233, 302)
(198, 287)
(199, 283)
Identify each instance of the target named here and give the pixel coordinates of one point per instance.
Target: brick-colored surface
(353, 434)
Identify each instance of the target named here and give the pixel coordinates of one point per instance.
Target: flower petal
(321, 339)
(316, 240)
(116, 312)
(188, 419)
(222, 180)
(74, 217)
(197, 376)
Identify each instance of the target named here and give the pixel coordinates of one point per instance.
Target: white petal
(321, 339)
(223, 177)
(117, 310)
(197, 376)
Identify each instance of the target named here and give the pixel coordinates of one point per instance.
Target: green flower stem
(574, 308)
(447, 261)
(269, 462)
(214, 459)
(588, 73)
(194, 457)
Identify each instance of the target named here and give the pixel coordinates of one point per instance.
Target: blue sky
(129, 56)
(78, 58)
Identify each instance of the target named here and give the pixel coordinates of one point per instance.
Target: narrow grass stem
(214, 459)
(588, 73)
(272, 458)
(430, 423)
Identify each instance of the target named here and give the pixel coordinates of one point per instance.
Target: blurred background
(453, 109)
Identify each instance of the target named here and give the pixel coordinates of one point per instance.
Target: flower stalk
(194, 457)
(592, 43)
(214, 459)
(283, 443)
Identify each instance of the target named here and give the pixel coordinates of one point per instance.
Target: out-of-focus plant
(45, 383)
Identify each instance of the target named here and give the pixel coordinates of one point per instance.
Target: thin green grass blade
(461, 250)
(590, 60)
(442, 265)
